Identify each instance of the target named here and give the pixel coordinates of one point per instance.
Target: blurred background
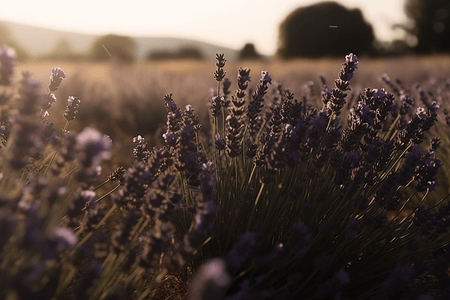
(136, 30)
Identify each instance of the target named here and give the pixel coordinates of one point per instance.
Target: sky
(230, 23)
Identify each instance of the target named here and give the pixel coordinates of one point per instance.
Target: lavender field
(298, 179)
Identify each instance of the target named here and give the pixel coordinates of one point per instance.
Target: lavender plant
(315, 208)
(286, 201)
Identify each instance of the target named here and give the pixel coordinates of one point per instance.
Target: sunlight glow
(232, 23)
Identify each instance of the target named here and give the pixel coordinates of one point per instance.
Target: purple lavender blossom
(59, 241)
(140, 151)
(210, 281)
(171, 138)
(243, 78)
(219, 74)
(56, 78)
(234, 135)
(30, 100)
(226, 86)
(72, 108)
(48, 100)
(255, 106)
(7, 61)
(265, 76)
(94, 147)
(337, 100)
(216, 106)
(241, 250)
(170, 104)
(219, 142)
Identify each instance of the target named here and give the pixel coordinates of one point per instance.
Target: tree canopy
(430, 24)
(111, 45)
(325, 29)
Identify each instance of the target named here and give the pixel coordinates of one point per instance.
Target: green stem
(254, 206)
(108, 193)
(101, 184)
(56, 152)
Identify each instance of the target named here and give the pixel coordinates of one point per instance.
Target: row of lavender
(279, 201)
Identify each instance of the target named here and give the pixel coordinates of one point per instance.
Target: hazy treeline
(307, 31)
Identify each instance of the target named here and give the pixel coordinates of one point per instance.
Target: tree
(430, 24)
(325, 29)
(111, 45)
(249, 52)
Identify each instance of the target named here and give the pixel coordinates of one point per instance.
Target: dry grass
(99, 71)
(123, 100)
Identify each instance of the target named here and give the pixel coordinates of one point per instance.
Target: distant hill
(39, 41)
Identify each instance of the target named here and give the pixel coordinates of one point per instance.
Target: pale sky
(230, 23)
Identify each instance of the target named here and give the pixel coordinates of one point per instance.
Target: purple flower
(241, 250)
(95, 147)
(219, 74)
(342, 84)
(171, 138)
(265, 76)
(64, 237)
(219, 142)
(56, 78)
(7, 59)
(48, 100)
(243, 78)
(170, 104)
(209, 167)
(72, 108)
(226, 86)
(216, 106)
(211, 281)
(140, 151)
(30, 100)
(138, 139)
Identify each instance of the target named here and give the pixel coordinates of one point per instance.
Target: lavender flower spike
(7, 58)
(349, 67)
(95, 147)
(211, 281)
(72, 108)
(56, 78)
(343, 84)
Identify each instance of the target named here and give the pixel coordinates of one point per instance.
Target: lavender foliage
(285, 201)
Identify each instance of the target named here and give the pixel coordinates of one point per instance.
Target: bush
(287, 202)
(111, 45)
(249, 52)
